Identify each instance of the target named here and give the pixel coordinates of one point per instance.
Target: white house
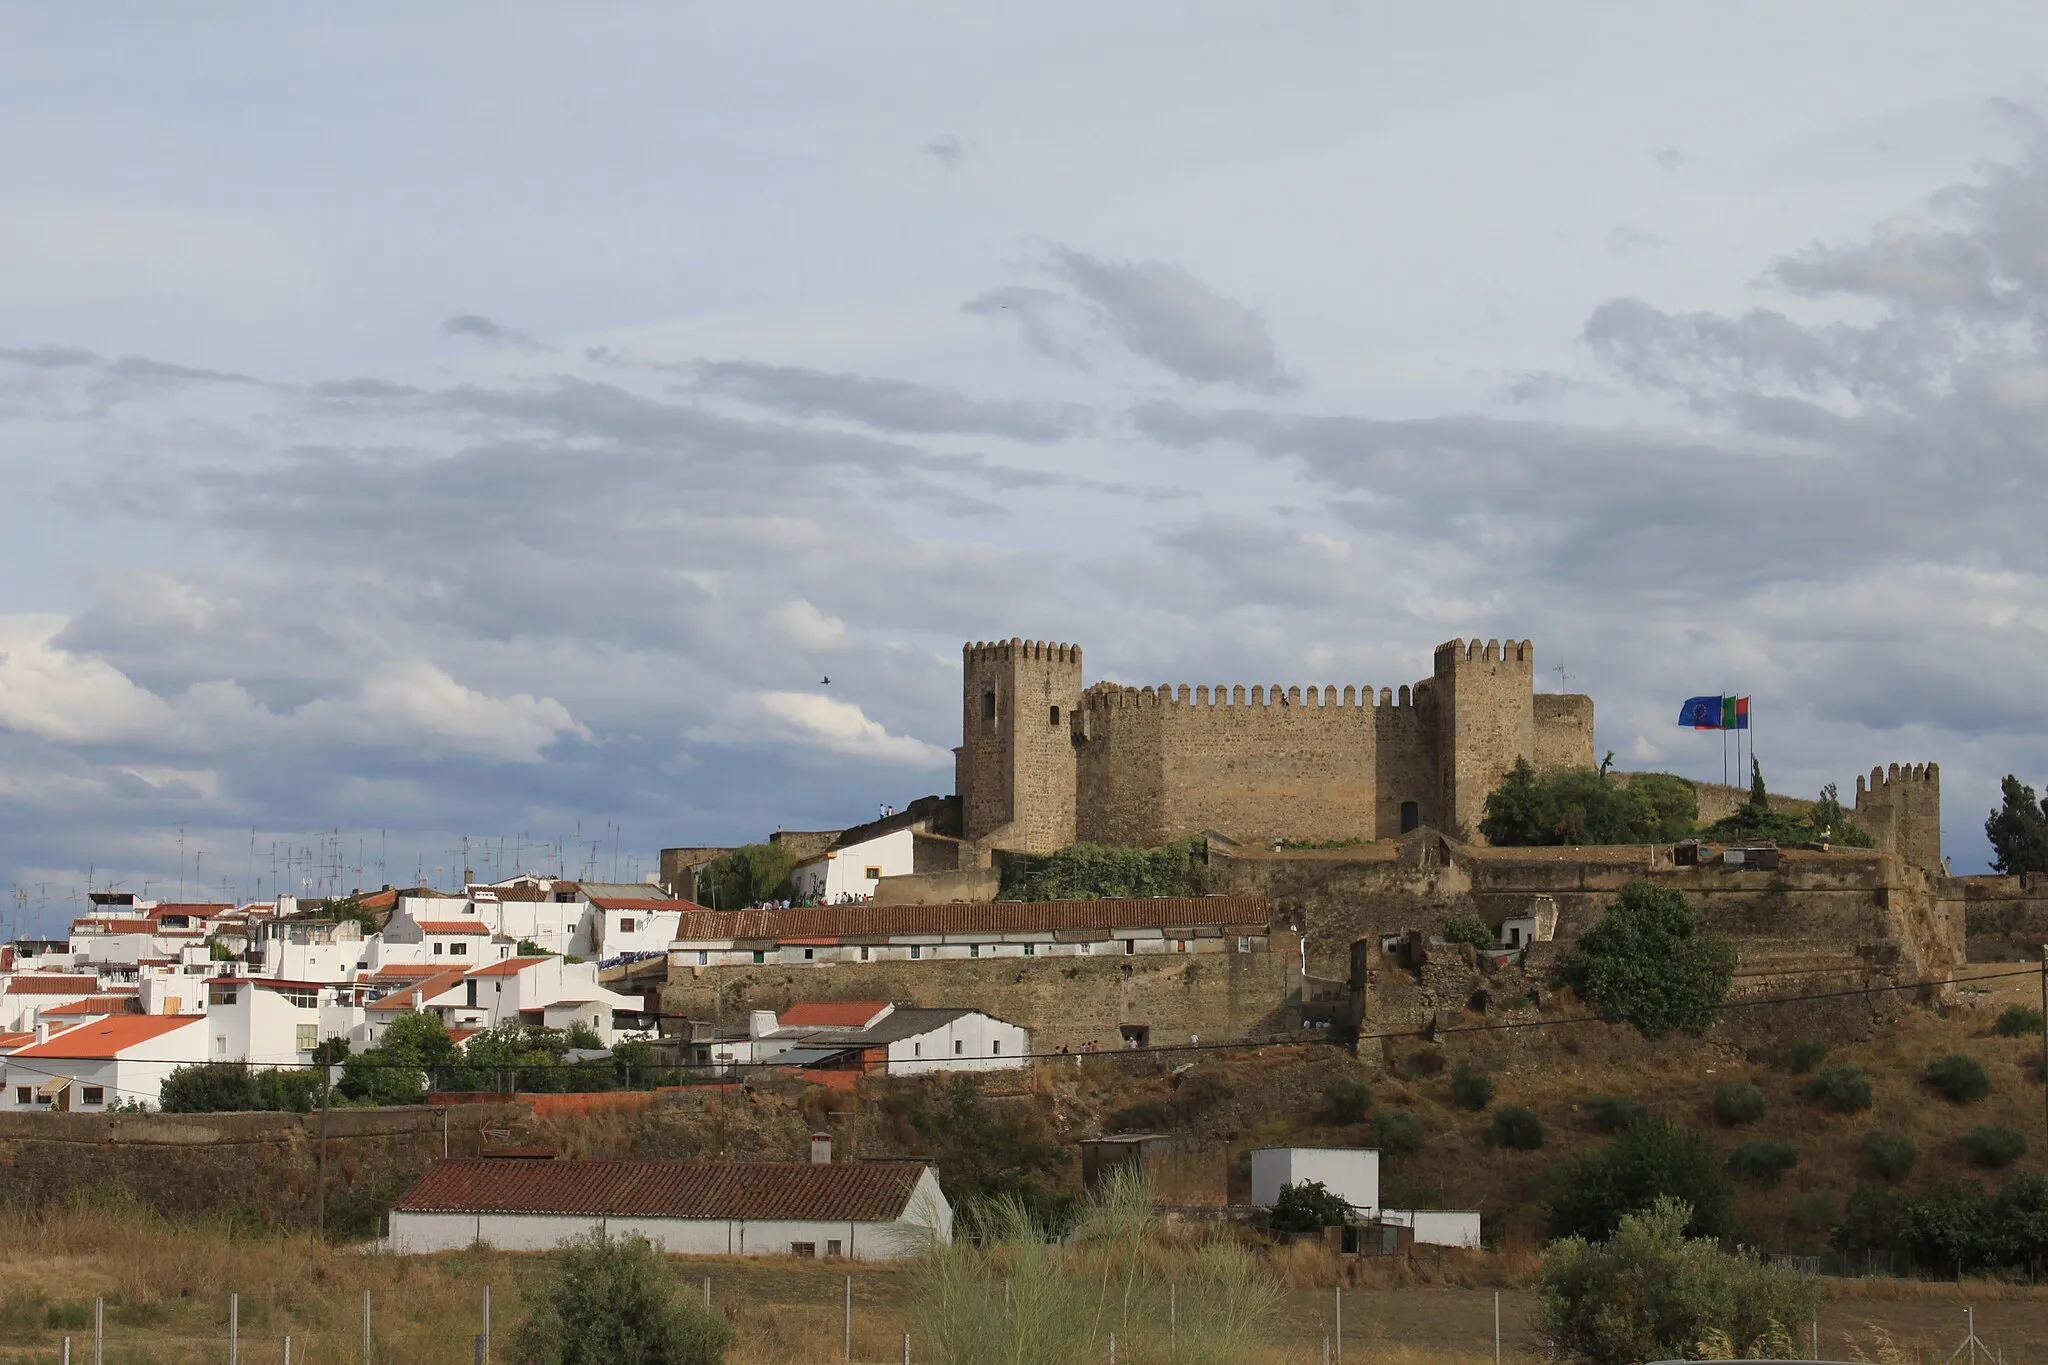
(874, 1037)
(637, 925)
(1350, 1173)
(543, 990)
(462, 942)
(866, 1211)
(101, 1062)
(849, 871)
(25, 995)
(267, 1022)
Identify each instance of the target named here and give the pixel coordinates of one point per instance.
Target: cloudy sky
(493, 420)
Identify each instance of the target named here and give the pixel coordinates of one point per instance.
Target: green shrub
(1308, 1206)
(1469, 929)
(1587, 1194)
(1419, 1065)
(1842, 1088)
(1516, 1127)
(1648, 962)
(611, 1301)
(2018, 1021)
(1764, 1162)
(1612, 1113)
(1347, 1101)
(1801, 1058)
(1471, 1087)
(745, 876)
(1889, 1156)
(1956, 1227)
(1396, 1132)
(1650, 1292)
(1586, 806)
(1736, 1102)
(1086, 872)
(1994, 1146)
(1958, 1078)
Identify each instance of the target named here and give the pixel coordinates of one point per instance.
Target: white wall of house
(1350, 1173)
(557, 926)
(973, 1042)
(637, 930)
(844, 871)
(1437, 1227)
(136, 1074)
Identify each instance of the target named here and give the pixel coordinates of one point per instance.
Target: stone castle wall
(1014, 770)
(1900, 806)
(1064, 1001)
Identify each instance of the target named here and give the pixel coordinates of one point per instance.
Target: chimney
(761, 1023)
(821, 1149)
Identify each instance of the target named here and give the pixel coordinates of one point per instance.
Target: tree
(611, 1302)
(349, 909)
(1650, 963)
(1587, 806)
(1588, 1194)
(1308, 1207)
(746, 876)
(1347, 1101)
(1397, 1132)
(396, 1070)
(210, 1088)
(1470, 929)
(1755, 822)
(1653, 1293)
(1516, 1127)
(1832, 825)
(1517, 813)
(2018, 830)
(984, 1154)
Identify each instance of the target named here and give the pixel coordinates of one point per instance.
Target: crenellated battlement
(1883, 780)
(1451, 653)
(1353, 698)
(1001, 651)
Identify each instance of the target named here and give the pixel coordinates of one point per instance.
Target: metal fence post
(65, 1356)
(487, 1324)
(479, 1342)
(366, 1327)
(1340, 1325)
(906, 1348)
(234, 1327)
(849, 1320)
(99, 1330)
(1496, 1327)
(707, 1291)
(1173, 1321)
(287, 1351)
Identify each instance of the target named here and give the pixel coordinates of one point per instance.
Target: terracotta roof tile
(511, 966)
(453, 926)
(831, 1013)
(668, 1189)
(841, 921)
(644, 904)
(104, 1039)
(94, 1004)
(51, 983)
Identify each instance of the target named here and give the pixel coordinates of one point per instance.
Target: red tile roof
(51, 983)
(843, 921)
(511, 966)
(668, 1189)
(411, 971)
(650, 906)
(202, 909)
(832, 1013)
(453, 926)
(94, 1004)
(412, 997)
(113, 926)
(10, 1041)
(90, 1042)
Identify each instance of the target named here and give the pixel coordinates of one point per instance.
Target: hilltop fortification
(1044, 761)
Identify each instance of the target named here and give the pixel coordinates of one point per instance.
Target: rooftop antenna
(181, 862)
(1562, 677)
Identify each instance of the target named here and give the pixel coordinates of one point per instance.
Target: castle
(1045, 762)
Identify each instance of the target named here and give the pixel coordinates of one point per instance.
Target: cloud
(483, 329)
(1628, 241)
(822, 725)
(889, 404)
(1162, 312)
(1910, 263)
(1669, 158)
(1040, 315)
(47, 357)
(946, 150)
(804, 626)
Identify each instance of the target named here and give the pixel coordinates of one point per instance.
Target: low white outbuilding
(860, 1211)
(1350, 1173)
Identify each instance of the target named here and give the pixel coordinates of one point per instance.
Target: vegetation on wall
(1585, 806)
(1649, 963)
(2018, 830)
(1087, 872)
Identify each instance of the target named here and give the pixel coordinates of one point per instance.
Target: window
(221, 995)
(303, 999)
(873, 874)
(438, 949)
(958, 1047)
(1130, 947)
(832, 1247)
(916, 951)
(809, 1249)
(625, 924)
(1055, 717)
(703, 957)
(220, 1044)
(1411, 816)
(974, 950)
(988, 705)
(458, 949)
(760, 956)
(93, 1094)
(996, 1048)
(863, 953)
(309, 1037)
(1031, 950)
(24, 1094)
(916, 1050)
(810, 954)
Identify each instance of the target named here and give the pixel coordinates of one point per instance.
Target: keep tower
(1015, 767)
(1485, 720)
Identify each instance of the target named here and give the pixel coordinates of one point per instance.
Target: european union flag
(1702, 713)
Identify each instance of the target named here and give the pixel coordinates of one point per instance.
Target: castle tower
(1901, 808)
(1014, 769)
(1485, 720)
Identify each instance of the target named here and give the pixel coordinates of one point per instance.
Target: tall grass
(1005, 1294)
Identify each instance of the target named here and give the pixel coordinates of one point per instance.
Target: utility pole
(2044, 1038)
(320, 1198)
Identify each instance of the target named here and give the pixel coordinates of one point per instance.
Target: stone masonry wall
(1485, 697)
(1564, 731)
(1064, 1001)
(264, 1164)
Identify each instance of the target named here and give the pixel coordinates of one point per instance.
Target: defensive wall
(1043, 763)
(1064, 1001)
(262, 1166)
(2007, 917)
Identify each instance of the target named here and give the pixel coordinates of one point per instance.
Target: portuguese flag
(1715, 713)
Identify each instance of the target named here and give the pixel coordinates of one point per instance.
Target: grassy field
(166, 1288)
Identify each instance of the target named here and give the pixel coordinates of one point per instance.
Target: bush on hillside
(1587, 1194)
(1958, 1078)
(1652, 1293)
(611, 1301)
(1764, 1162)
(1585, 806)
(1471, 1087)
(1842, 1088)
(1649, 962)
(2018, 1021)
(1736, 1102)
(1516, 1127)
(1801, 1058)
(1347, 1101)
(1469, 929)
(1396, 1132)
(1889, 1156)
(1087, 872)
(983, 1152)
(1307, 1207)
(1993, 1146)
(1612, 1113)
(1954, 1228)
(1419, 1065)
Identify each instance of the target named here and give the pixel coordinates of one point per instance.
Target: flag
(1701, 713)
(1735, 713)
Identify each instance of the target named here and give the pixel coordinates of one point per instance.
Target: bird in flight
(825, 681)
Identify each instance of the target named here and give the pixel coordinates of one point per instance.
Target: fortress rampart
(1044, 763)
